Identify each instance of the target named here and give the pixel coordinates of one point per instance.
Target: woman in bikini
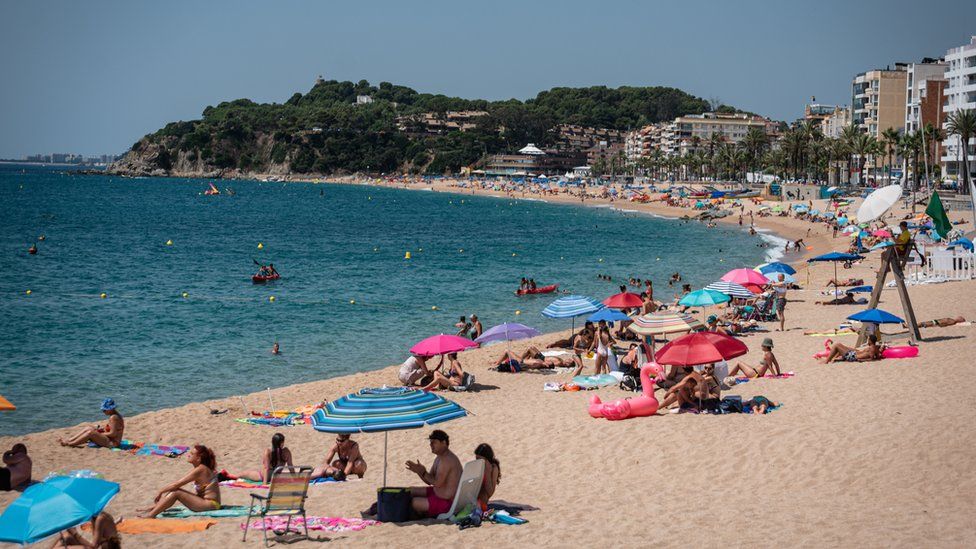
(276, 456)
(453, 378)
(348, 460)
(768, 363)
(694, 388)
(493, 475)
(206, 487)
(109, 436)
(602, 341)
(105, 535)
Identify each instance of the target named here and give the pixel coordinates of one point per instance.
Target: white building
(960, 94)
(918, 75)
(364, 99)
(834, 125)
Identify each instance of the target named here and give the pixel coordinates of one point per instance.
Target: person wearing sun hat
(109, 436)
(768, 363)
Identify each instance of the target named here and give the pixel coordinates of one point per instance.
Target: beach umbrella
(774, 277)
(878, 203)
(384, 409)
(6, 405)
(829, 215)
(860, 290)
(881, 245)
(704, 298)
(775, 266)
(623, 300)
(964, 242)
(744, 276)
(842, 220)
(754, 288)
(814, 212)
(700, 348)
(571, 306)
(46, 508)
(834, 257)
(509, 331)
(441, 345)
(664, 323)
(876, 316)
(883, 233)
(731, 289)
(607, 314)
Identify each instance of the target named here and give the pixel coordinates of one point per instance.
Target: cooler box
(393, 504)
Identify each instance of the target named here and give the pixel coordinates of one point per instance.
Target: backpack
(630, 383)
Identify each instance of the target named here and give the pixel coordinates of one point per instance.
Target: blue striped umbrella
(385, 409)
(731, 289)
(572, 306)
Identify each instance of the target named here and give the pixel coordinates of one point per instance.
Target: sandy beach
(860, 454)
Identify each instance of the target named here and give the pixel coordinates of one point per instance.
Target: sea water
(348, 300)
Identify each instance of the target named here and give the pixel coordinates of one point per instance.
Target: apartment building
(959, 94)
(833, 125)
(878, 99)
(923, 94)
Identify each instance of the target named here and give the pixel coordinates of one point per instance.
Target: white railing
(955, 264)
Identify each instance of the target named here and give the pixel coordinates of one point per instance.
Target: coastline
(830, 442)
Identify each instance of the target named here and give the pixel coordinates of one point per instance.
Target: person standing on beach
(780, 287)
(476, 328)
(602, 341)
(441, 480)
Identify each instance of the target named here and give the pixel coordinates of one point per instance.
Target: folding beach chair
(468, 488)
(286, 497)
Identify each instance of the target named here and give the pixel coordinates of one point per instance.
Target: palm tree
(890, 138)
(963, 124)
(909, 148)
(848, 135)
(755, 143)
(862, 146)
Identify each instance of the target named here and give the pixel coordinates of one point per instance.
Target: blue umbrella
(776, 267)
(608, 314)
(703, 298)
(964, 242)
(861, 289)
(876, 316)
(50, 507)
(572, 306)
(834, 257)
(509, 331)
(384, 409)
(842, 221)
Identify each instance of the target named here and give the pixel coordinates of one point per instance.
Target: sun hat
(108, 405)
(767, 342)
(710, 319)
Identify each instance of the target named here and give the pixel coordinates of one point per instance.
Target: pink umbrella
(442, 345)
(882, 233)
(745, 276)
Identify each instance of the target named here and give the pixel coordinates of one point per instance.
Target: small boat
(213, 190)
(539, 290)
(261, 279)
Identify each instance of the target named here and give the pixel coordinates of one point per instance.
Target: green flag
(938, 215)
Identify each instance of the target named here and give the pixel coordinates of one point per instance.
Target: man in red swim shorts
(442, 479)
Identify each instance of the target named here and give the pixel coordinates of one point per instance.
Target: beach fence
(955, 264)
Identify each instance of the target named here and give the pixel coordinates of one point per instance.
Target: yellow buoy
(518, 312)
(260, 246)
(406, 255)
(271, 298)
(103, 295)
(185, 295)
(658, 259)
(433, 307)
(169, 242)
(513, 254)
(352, 301)
(28, 292)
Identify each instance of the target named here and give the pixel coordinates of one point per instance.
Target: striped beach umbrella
(664, 323)
(731, 289)
(385, 409)
(571, 306)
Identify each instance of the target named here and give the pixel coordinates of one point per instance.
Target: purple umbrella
(509, 331)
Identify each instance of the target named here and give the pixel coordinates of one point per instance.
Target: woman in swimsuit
(603, 341)
(694, 388)
(273, 457)
(842, 352)
(105, 535)
(453, 378)
(493, 475)
(768, 363)
(348, 460)
(109, 436)
(206, 488)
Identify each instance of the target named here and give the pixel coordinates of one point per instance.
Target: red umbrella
(442, 345)
(753, 288)
(625, 300)
(700, 348)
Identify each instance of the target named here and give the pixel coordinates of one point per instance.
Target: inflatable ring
(906, 351)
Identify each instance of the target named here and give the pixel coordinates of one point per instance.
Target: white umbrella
(878, 203)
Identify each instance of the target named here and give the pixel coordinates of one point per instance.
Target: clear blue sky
(93, 77)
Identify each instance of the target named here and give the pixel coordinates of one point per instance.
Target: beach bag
(393, 504)
(630, 383)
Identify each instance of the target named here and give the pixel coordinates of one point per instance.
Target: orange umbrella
(6, 405)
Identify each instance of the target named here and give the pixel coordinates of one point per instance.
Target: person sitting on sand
(628, 364)
(414, 371)
(711, 325)
(674, 376)
(109, 436)
(343, 459)
(839, 351)
(453, 378)
(441, 480)
(696, 388)
(105, 535)
(848, 299)
(16, 472)
(759, 405)
(276, 456)
(206, 486)
(767, 363)
(942, 322)
(493, 475)
(848, 282)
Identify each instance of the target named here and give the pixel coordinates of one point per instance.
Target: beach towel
(158, 526)
(224, 511)
(601, 380)
(143, 449)
(831, 334)
(256, 485)
(328, 524)
(785, 375)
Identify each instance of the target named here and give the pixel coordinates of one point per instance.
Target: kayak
(540, 290)
(261, 279)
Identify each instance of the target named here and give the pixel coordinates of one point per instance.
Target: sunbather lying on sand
(768, 363)
(848, 299)
(839, 351)
(760, 404)
(109, 436)
(848, 282)
(942, 322)
(522, 363)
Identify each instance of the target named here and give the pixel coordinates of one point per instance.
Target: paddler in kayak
(32, 250)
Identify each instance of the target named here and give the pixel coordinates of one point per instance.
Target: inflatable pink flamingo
(644, 405)
(826, 352)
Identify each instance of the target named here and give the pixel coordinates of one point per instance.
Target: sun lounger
(468, 488)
